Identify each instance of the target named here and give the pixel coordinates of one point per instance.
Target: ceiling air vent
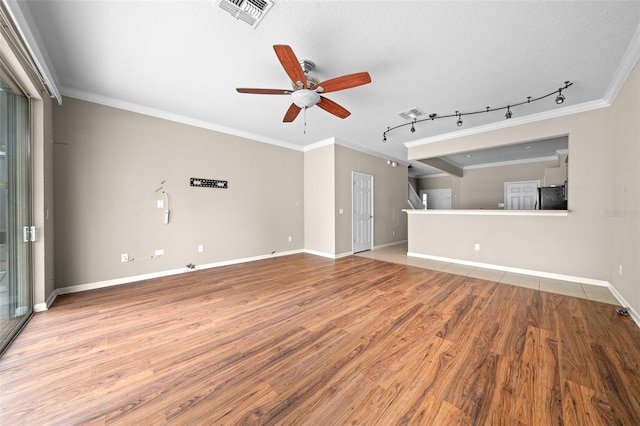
(249, 11)
(411, 114)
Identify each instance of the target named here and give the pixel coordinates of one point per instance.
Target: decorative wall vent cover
(411, 114)
(249, 11)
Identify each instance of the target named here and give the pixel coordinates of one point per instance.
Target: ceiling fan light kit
(307, 87)
(560, 98)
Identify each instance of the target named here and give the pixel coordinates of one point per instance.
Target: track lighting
(560, 98)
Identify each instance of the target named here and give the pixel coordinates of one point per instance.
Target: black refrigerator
(552, 198)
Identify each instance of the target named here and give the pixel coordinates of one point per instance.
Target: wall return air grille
(249, 11)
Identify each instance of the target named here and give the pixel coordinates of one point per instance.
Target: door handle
(28, 234)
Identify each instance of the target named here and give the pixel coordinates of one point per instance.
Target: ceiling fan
(307, 89)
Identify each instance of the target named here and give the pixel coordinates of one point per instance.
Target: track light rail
(560, 98)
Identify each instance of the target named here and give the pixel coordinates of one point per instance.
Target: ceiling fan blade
(344, 82)
(332, 107)
(290, 64)
(291, 114)
(265, 91)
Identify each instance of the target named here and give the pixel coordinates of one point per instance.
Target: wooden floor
(306, 340)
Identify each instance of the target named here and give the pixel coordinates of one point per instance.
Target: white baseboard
(136, 278)
(534, 273)
(632, 313)
(320, 253)
(570, 278)
(395, 243)
(41, 307)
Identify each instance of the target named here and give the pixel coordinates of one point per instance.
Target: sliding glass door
(15, 232)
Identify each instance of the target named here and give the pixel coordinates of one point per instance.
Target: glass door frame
(18, 204)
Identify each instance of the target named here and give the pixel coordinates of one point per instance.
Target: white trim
(153, 112)
(24, 24)
(548, 115)
(632, 313)
(132, 279)
(534, 273)
(512, 162)
(320, 253)
(364, 150)
(41, 307)
(320, 144)
(345, 254)
(390, 244)
(625, 67)
(556, 213)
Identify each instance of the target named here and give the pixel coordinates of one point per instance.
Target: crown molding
(165, 115)
(548, 115)
(629, 60)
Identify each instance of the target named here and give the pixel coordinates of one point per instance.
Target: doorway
(362, 207)
(438, 199)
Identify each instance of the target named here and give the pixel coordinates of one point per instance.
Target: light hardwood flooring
(304, 340)
(397, 253)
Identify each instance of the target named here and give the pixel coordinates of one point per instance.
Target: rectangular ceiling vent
(411, 114)
(249, 11)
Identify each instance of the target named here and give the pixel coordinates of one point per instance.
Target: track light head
(560, 98)
(509, 114)
(459, 122)
(413, 128)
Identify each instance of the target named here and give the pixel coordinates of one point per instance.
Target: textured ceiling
(184, 59)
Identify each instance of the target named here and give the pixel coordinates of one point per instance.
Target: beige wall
(328, 182)
(319, 200)
(390, 193)
(576, 245)
(623, 214)
(602, 230)
(108, 164)
(483, 188)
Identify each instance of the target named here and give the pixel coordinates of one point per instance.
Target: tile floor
(398, 254)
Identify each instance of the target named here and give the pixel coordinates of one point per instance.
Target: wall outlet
(160, 252)
(289, 238)
(200, 248)
(160, 204)
(476, 247)
(124, 257)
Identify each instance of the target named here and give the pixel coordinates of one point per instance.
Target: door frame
(353, 228)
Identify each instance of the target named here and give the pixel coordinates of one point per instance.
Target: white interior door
(439, 199)
(521, 195)
(362, 204)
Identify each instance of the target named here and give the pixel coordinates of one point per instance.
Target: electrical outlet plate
(124, 257)
(200, 248)
(160, 252)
